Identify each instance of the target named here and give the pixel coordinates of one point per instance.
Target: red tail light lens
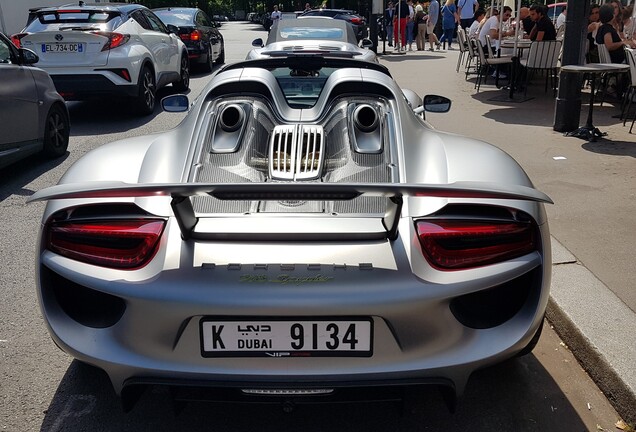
(114, 39)
(119, 244)
(16, 38)
(356, 20)
(195, 35)
(460, 244)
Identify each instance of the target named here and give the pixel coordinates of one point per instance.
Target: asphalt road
(43, 389)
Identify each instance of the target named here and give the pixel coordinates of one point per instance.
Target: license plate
(288, 337)
(63, 48)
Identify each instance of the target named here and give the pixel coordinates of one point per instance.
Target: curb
(597, 327)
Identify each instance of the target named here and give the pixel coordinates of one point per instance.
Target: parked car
(317, 35)
(358, 22)
(199, 34)
(107, 50)
(303, 233)
(34, 116)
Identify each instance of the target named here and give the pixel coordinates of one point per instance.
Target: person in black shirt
(608, 36)
(543, 29)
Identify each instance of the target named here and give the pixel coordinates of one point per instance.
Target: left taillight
(463, 244)
(194, 35)
(119, 244)
(114, 39)
(17, 38)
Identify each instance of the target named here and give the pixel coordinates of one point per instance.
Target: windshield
(331, 33)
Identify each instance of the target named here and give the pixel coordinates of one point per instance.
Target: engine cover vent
(296, 152)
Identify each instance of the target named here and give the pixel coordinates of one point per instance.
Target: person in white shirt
(491, 27)
(561, 18)
(275, 16)
(473, 31)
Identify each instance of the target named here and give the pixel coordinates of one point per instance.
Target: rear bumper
(81, 87)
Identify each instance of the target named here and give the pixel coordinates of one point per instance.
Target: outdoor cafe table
(589, 131)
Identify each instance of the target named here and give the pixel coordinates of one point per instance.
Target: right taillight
(462, 244)
(114, 39)
(120, 244)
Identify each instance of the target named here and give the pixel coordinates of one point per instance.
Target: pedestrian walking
(410, 25)
(466, 10)
(449, 20)
(431, 22)
(399, 29)
(389, 16)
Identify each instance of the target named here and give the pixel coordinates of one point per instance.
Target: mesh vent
(296, 152)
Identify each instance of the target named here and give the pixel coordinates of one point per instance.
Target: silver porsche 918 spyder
(303, 233)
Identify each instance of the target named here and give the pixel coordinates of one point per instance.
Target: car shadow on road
(110, 116)
(518, 395)
(22, 172)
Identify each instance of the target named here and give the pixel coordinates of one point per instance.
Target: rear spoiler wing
(187, 219)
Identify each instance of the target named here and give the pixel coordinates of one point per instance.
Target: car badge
(59, 37)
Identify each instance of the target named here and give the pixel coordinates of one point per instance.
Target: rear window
(175, 18)
(105, 20)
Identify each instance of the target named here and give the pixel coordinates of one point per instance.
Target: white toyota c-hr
(110, 50)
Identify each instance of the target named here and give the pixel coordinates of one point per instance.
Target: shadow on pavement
(614, 148)
(23, 172)
(518, 395)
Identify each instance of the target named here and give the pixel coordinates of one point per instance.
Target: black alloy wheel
(209, 63)
(146, 97)
(184, 74)
(221, 58)
(56, 132)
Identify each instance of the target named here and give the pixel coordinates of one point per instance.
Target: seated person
(543, 29)
(608, 36)
(473, 31)
(491, 28)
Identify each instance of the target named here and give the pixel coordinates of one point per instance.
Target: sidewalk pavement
(592, 223)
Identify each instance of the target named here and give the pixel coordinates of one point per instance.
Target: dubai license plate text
(287, 338)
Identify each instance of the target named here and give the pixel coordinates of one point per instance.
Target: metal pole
(568, 103)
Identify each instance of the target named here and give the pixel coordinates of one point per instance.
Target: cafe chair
(485, 63)
(543, 56)
(604, 57)
(630, 94)
(463, 47)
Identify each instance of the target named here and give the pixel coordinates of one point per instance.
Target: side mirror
(367, 43)
(28, 57)
(173, 28)
(175, 103)
(258, 43)
(436, 104)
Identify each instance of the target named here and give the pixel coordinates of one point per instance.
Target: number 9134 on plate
(306, 337)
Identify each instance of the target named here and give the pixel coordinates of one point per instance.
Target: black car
(357, 21)
(199, 34)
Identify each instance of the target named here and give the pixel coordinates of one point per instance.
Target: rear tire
(221, 58)
(209, 63)
(184, 75)
(56, 132)
(146, 97)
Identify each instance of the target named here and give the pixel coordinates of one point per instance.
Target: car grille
(296, 152)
